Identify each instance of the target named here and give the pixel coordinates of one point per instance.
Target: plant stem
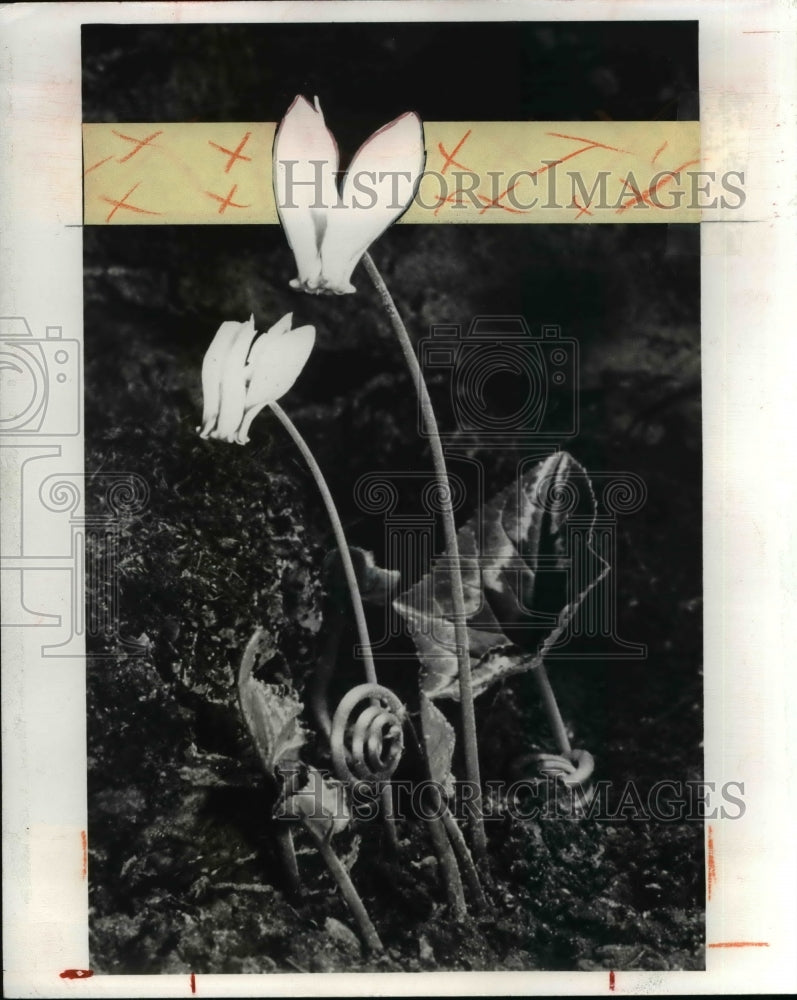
(340, 538)
(450, 534)
(552, 708)
(437, 827)
(346, 886)
(465, 859)
(447, 859)
(284, 837)
(351, 580)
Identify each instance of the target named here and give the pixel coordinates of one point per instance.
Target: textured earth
(184, 876)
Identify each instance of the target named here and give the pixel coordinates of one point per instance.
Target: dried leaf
(515, 558)
(319, 801)
(271, 712)
(439, 740)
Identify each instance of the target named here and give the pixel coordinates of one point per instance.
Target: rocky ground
(183, 872)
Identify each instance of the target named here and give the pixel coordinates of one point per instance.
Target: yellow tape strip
(476, 172)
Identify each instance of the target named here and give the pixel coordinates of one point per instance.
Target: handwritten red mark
(140, 143)
(582, 208)
(592, 142)
(122, 203)
(226, 202)
(449, 158)
(234, 154)
(563, 159)
(193, 983)
(611, 980)
(94, 166)
(85, 845)
(661, 149)
(455, 198)
(711, 865)
(639, 197)
(76, 974)
(497, 203)
(740, 944)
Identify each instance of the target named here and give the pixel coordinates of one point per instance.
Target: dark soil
(183, 871)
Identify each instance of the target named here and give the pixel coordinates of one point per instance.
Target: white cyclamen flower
(239, 377)
(330, 231)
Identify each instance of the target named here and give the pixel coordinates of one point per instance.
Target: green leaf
(515, 561)
(271, 713)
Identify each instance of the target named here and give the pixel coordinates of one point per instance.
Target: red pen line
(140, 143)
(555, 163)
(496, 202)
(234, 154)
(740, 944)
(450, 158)
(712, 867)
(122, 203)
(645, 195)
(227, 201)
(95, 165)
(592, 142)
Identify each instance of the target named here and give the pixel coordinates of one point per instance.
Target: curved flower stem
(461, 850)
(450, 534)
(552, 708)
(346, 886)
(351, 580)
(439, 824)
(340, 538)
(445, 856)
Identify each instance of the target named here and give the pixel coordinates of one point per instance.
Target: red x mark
(234, 154)
(94, 166)
(583, 208)
(454, 199)
(496, 202)
(140, 143)
(122, 203)
(449, 159)
(639, 197)
(226, 202)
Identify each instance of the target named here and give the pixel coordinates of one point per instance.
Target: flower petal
(379, 186)
(277, 361)
(212, 367)
(233, 382)
(305, 162)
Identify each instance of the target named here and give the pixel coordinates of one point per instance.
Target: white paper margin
(748, 110)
